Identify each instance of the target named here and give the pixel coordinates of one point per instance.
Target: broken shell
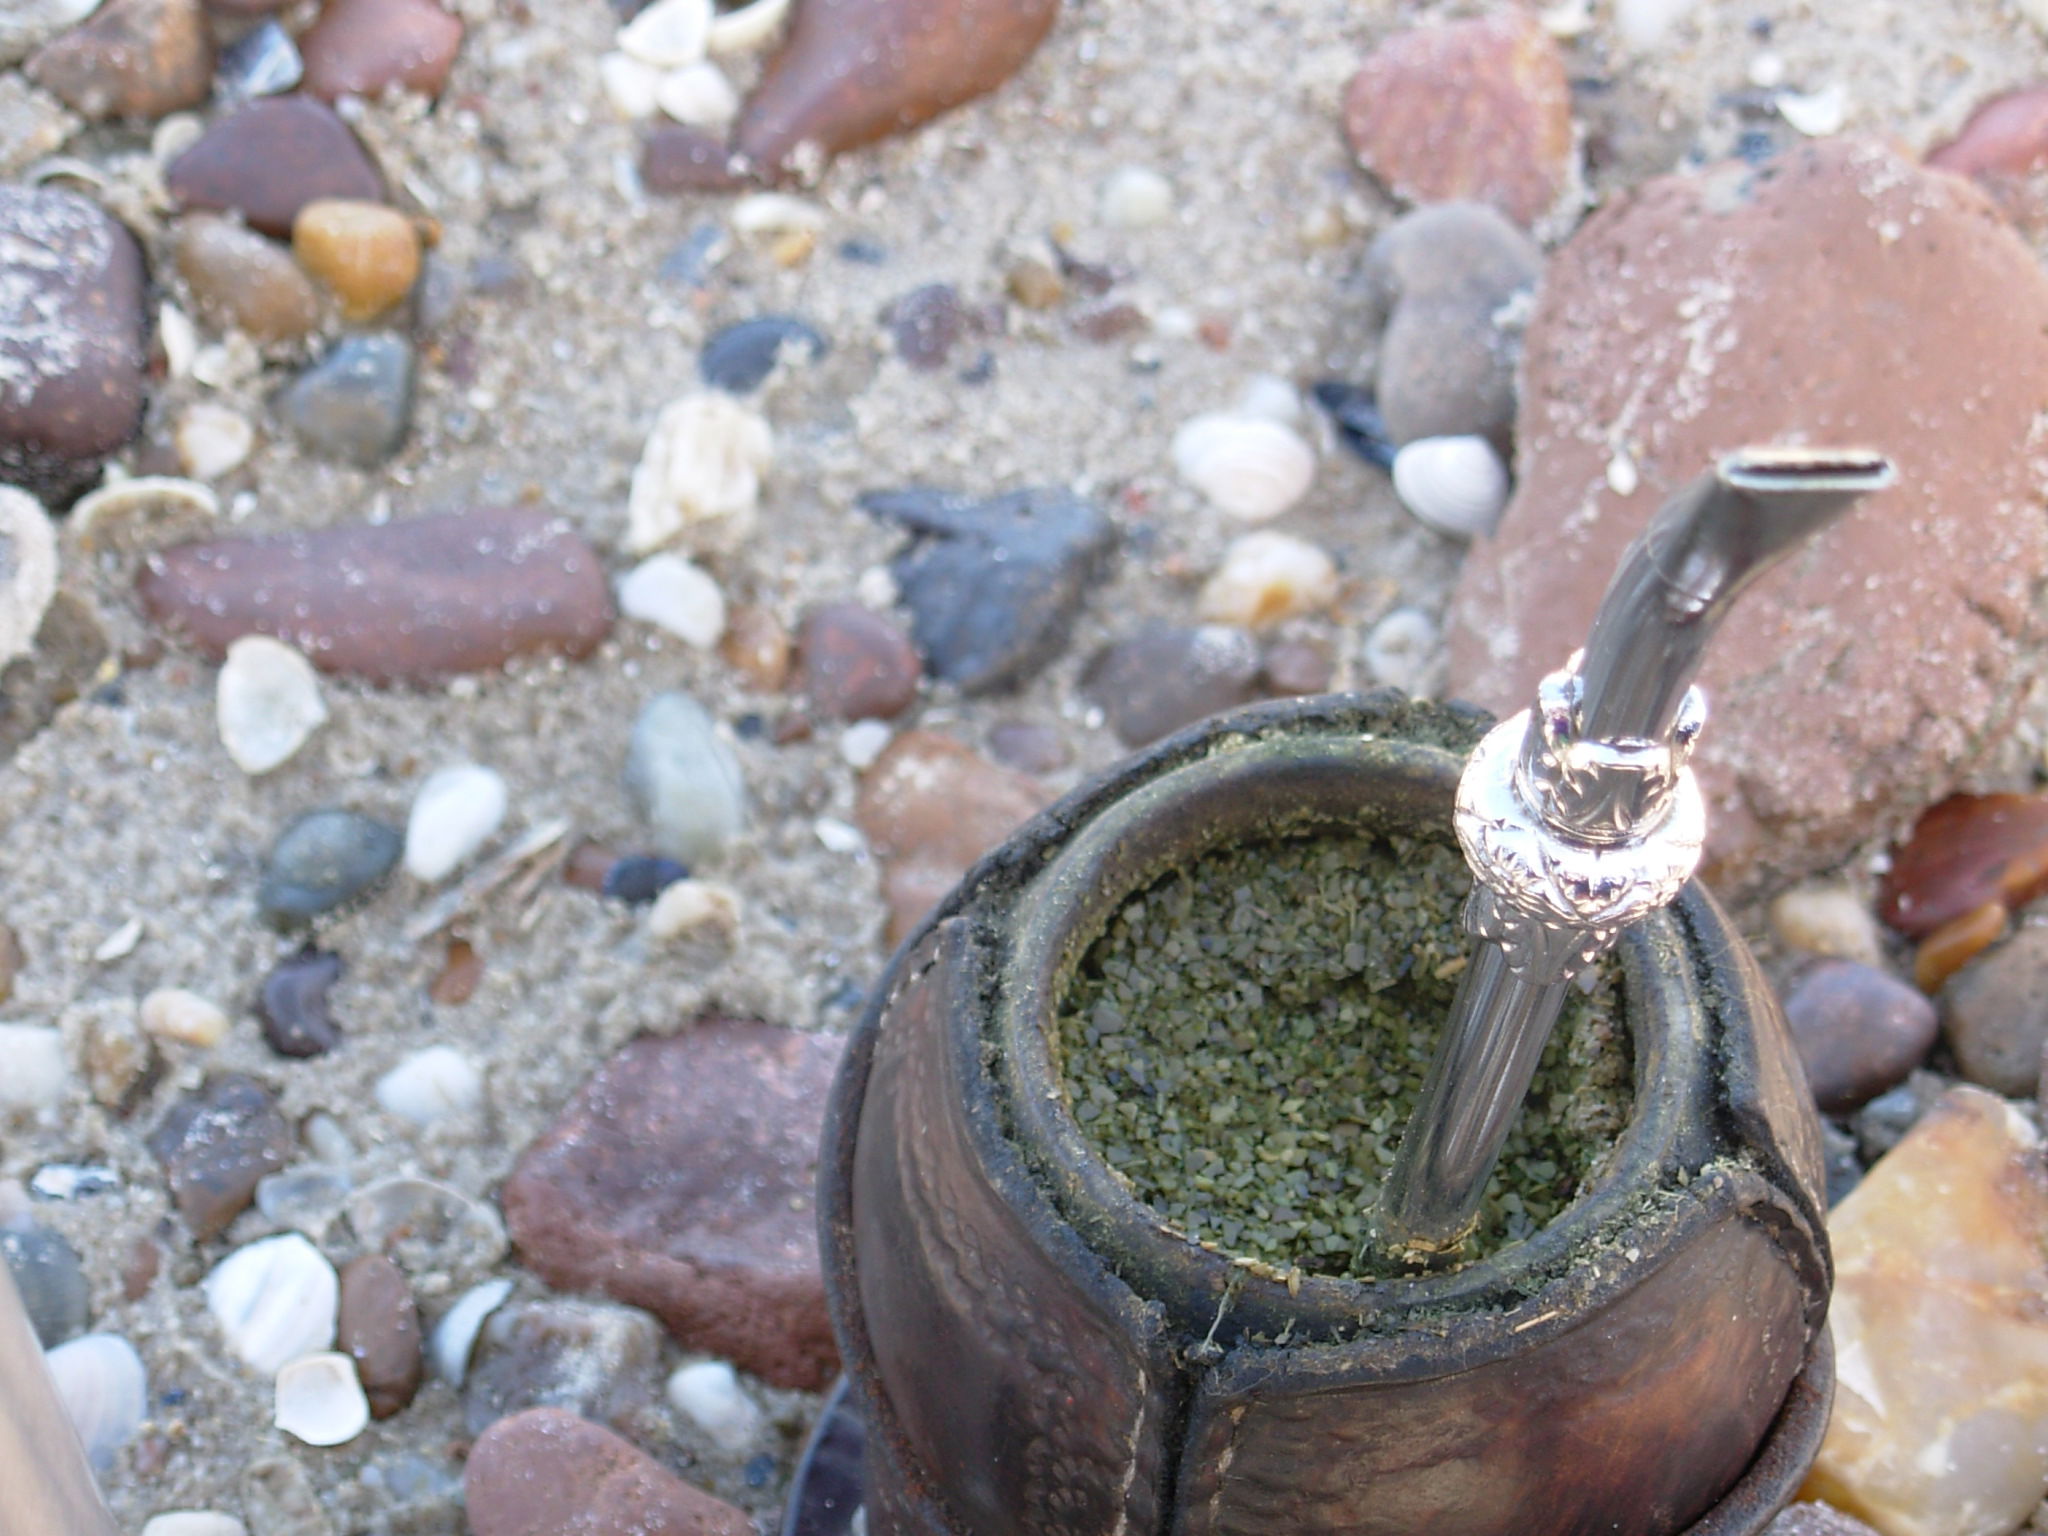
(213, 440)
(454, 814)
(1267, 577)
(1815, 114)
(132, 517)
(708, 1393)
(430, 1085)
(28, 571)
(668, 34)
(105, 1391)
(1249, 467)
(1457, 485)
(267, 703)
(699, 478)
(777, 213)
(698, 94)
(425, 1227)
(669, 592)
(629, 85)
(454, 1337)
(691, 906)
(319, 1399)
(748, 29)
(275, 1300)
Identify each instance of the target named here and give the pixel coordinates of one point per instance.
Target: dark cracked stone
(216, 1145)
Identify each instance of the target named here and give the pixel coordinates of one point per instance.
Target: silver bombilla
(1580, 816)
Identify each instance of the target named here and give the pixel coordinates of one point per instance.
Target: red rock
(1460, 111)
(853, 71)
(271, 158)
(216, 1144)
(456, 982)
(71, 339)
(401, 602)
(545, 1472)
(1964, 852)
(379, 1328)
(856, 665)
(1771, 304)
(134, 58)
(680, 1179)
(364, 47)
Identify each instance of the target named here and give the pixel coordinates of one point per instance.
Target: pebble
(1266, 578)
(72, 327)
(367, 254)
(680, 1179)
(264, 61)
(279, 1500)
(994, 586)
(1035, 282)
(275, 1300)
(739, 358)
(1828, 920)
(13, 960)
(267, 704)
(591, 1358)
(101, 1382)
(270, 158)
(137, 59)
(172, 1013)
(1965, 852)
(670, 593)
(33, 124)
(1859, 1030)
(33, 1071)
(1883, 1123)
(639, 878)
(708, 1393)
(698, 95)
(931, 807)
(117, 1059)
(317, 1399)
(293, 1004)
(1957, 942)
(1162, 677)
(48, 1277)
(757, 647)
(216, 1144)
(1456, 485)
(1295, 667)
(1251, 468)
(926, 324)
(462, 970)
(699, 478)
(694, 906)
(2001, 147)
(1135, 197)
(213, 440)
(1994, 1012)
(1405, 651)
(1460, 111)
(427, 1228)
(354, 405)
(863, 741)
(455, 1335)
(1813, 745)
(379, 1329)
(677, 158)
(241, 281)
(430, 1086)
(194, 1522)
(546, 1471)
(668, 34)
(1028, 746)
(1941, 1395)
(28, 571)
(457, 810)
(324, 860)
(685, 779)
(304, 1199)
(854, 664)
(366, 47)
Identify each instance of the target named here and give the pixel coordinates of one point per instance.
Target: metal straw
(46, 1489)
(1580, 816)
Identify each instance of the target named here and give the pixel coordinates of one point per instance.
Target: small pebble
(48, 1277)
(213, 440)
(267, 704)
(454, 1337)
(669, 592)
(863, 741)
(305, 1199)
(699, 477)
(595, 1359)
(457, 810)
(275, 1300)
(1957, 942)
(1251, 468)
(366, 47)
(268, 159)
(101, 1382)
(676, 158)
(1136, 197)
(757, 647)
(1035, 282)
(1828, 920)
(836, 836)
(739, 358)
(708, 1393)
(354, 405)
(319, 1400)
(1028, 746)
(1266, 578)
(856, 665)
(33, 1071)
(462, 969)
(926, 324)
(379, 1328)
(117, 1059)
(694, 906)
(1859, 1031)
(1994, 1012)
(324, 860)
(241, 281)
(194, 1522)
(431, 1085)
(293, 1004)
(685, 779)
(639, 878)
(1405, 650)
(172, 1013)
(1296, 667)
(1165, 677)
(263, 62)
(136, 59)
(216, 1144)
(366, 253)
(1883, 1123)
(1456, 485)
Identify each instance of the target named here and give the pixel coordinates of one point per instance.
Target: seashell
(129, 518)
(1457, 485)
(668, 34)
(266, 704)
(430, 1085)
(698, 94)
(1135, 197)
(172, 1013)
(319, 1399)
(748, 29)
(631, 86)
(1267, 577)
(28, 571)
(699, 479)
(1815, 114)
(777, 213)
(1249, 467)
(275, 1300)
(668, 591)
(105, 1391)
(120, 944)
(1405, 650)
(213, 440)
(67, 168)
(71, 1181)
(194, 1522)
(178, 337)
(426, 1227)
(454, 814)
(708, 1393)
(454, 1337)
(862, 742)
(692, 906)
(304, 1199)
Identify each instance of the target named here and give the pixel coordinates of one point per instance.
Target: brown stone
(757, 647)
(675, 157)
(71, 339)
(1957, 942)
(1166, 676)
(402, 602)
(1962, 853)
(1859, 1031)
(368, 255)
(680, 1179)
(269, 159)
(134, 58)
(1459, 111)
(546, 1472)
(216, 1144)
(1773, 304)
(364, 47)
(856, 665)
(242, 281)
(853, 71)
(456, 982)
(379, 1328)
(1296, 667)
(12, 960)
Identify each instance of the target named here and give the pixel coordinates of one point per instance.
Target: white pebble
(1456, 485)
(748, 29)
(274, 1300)
(104, 1390)
(864, 741)
(837, 836)
(28, 570)
(172, 1013)
(708, 1393)
(453, 815)
(1816, 114)
(213, 440)
(699, 477)
(669, 592)
(1767, 70)
(1272, 397)
(668, 34)
(1404, 651)
(1136, 197)
(1267, 577)
(267, 703)
(1643, 24)
(1828, 920)
(699, 95)
(1250, 467)
(454, 1337)
(431, 1085)
(194, 1522)
(119, 944)
(1623, 478)
(692, 906)
(319, 1399)
(876, 588)
(777, 213)
(33, 1072)
(632, 87)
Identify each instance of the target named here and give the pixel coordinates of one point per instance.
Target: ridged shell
(319, 1399)
(274, 1300)
(28, 571)
(1457, 485)
(454, 1338)
(101, 1382)
(1250, 467)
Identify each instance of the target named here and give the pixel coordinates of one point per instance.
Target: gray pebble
(686, 780)
(322, 860)
(1838, 1156)
(1859, 1030)
(50, 1278)
(263, 62)
(1995, 1012)
(354, 404)
(1882, 1123)
(739, 358)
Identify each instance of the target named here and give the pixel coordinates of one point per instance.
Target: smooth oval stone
(1995, 1013)
(293, 1004)
(269, 159)
(364, 47)
(410, 601)
(686, 780)
(1165, 676)
(926, 324)
(367, 254)
(239, 279)
(740, 357)
(638, 878)
(49, 1278)
(216, 1145)
(379, 1328)
(1028, 746)
(855, 664)
(322, 860)
(355, 404)
(1859, 1031)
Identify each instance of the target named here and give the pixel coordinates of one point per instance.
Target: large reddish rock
(1836, 295)
(271, 158)
(680, 1179)
(134, 59)
(364, 47)
(546, 1472)
(399, 602)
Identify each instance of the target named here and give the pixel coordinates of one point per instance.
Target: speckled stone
(324, 860)
(134, 59)
(379, 1328)
(269, 159)
(1859, 1031)
(546, 1472)
(216, 1144)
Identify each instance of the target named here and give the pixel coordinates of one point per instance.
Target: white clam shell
(1265, 578)
(708, 1393)
(699, 478)
(319, 1399)
(139, 510)
(630, 85)
(28, 570)
(748, 29)
(668, 34)
(454, 814)
(213, 440)
(104, 1390)
(1457, 485)
(454, 1337)
(1249, 467)
(667, 591)
(275, 1300)
(431, 1085)
(267, 703)
(698, 94)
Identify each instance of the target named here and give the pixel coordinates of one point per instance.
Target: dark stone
(1356, 416)
(1839, 1156)
(354, 405)
(216, 1144)
(548, 1473)
(323, 860)
(379, 1327)
(269, 159)
(925, 324)
(740, 357)
(1883, 1123)
(638, 878)
(365, 47)
(134, 59)
(993, 586)
(1166, 676)
(1859, 1031)
(49, 1278)
(596, 1360)
(1995, 1012)
(856, 665)
(293, 1004)
(1296, 667)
